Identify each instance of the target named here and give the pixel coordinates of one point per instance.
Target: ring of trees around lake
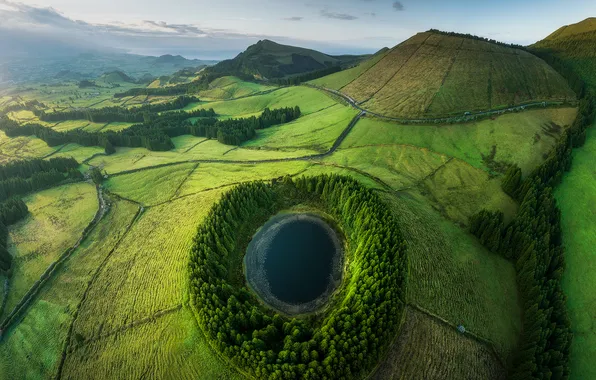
(345, 339)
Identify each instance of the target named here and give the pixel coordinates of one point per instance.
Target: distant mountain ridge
(270, 60)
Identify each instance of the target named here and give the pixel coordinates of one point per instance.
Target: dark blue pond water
(299, 260)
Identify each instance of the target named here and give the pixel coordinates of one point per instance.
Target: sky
(222, 28)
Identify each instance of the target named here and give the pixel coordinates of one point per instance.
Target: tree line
(533, 241)
(11, 211)
(41, 179)
(155, 134)
(297, 79)
(478, 38)
(345, 343)
(26, 168)
(119, 114)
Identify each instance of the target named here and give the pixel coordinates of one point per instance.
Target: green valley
(453, 175)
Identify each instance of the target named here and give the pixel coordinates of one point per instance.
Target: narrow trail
(86, 292)
(49, 273)
(484, 341)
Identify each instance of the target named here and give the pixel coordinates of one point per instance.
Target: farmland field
(231, 88)
(428, 349)
(316, 131)
(523, 138)
(34, 347)
(57, 218)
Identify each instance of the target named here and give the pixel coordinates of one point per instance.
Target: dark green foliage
(512, 180)
(22, 177)
(297, 79)
(96, 176)
(11, 212)
(26, 168)
(344, 343)
(119, 114)
(87, 83)
(473, 37)
(157, 130)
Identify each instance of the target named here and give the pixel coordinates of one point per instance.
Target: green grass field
(231, 88)
(209, 176)
(57, 218)
(23, 147)
(135, 285)
(309, 100)
(576, 197)
(316, 131)
(453, 276)
(523, 138)
(33, 348)
(150, 187)
(452, 186)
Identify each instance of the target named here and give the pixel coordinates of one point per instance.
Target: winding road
(468, 116)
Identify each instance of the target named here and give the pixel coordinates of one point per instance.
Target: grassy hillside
(268, 59)
(576, 46)
(433, 74)
(344, 77)
(228, 87)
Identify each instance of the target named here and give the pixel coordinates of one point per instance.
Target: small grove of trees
(347, 341)
(297, 79)
(119, 114)
(533, 241)
(156, 133)
(26, 168)
(38, 181)
(11, 211)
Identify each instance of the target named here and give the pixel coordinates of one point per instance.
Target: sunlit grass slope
(432, 75)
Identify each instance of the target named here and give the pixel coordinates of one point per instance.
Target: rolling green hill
(268, 60)
(433, 74)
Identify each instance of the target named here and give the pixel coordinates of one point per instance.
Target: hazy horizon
(206, 30)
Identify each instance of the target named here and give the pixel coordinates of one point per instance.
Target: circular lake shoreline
(294, 263)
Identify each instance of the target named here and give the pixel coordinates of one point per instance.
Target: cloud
(338, 16)
(398, 6)
(294, 18)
